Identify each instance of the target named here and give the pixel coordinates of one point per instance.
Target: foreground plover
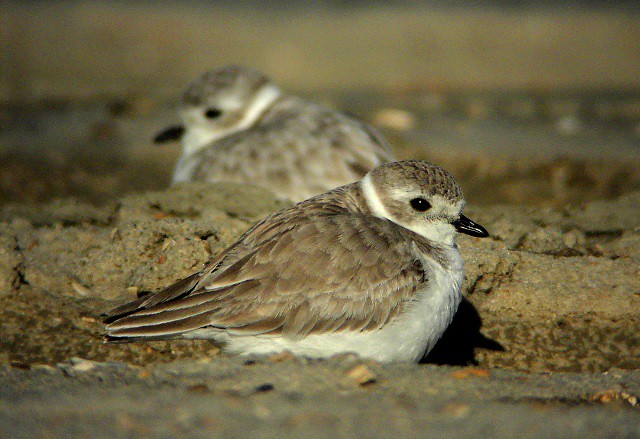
(238, 126)
(371, 267)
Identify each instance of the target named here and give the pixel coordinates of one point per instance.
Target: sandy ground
(231, 397)
(547, 342)
(554, 289)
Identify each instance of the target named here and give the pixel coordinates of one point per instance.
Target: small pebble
(266, 387)
(80, 289)
(396, 119)
(569, 125)
(82, 364)
(21, 365)
(166, 244)
(361, 374)
(574, 238)
(470, 372)
(131, 291)
(456, 409)
(199, 388)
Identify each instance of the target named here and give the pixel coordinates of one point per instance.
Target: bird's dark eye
(212, 113)
(420, 204)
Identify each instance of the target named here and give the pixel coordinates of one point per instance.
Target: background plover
(238, 126)
(371, 267)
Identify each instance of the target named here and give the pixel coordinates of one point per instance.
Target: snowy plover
(238, 126)
(371, 267)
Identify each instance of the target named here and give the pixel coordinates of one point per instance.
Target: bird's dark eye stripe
(420, 204)
(212, 113)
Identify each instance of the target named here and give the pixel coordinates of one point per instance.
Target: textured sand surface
(548, 335)
(552, 290)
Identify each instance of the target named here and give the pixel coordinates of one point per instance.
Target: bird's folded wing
(173, 292)
(330, 273)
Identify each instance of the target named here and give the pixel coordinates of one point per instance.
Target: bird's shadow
(459, 342)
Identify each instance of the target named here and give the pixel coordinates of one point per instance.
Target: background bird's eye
(420, 204)
(212, 113)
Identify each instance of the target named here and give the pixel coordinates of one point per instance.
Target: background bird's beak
(174, 132)
(465, 225)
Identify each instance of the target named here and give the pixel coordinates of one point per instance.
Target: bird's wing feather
(302, 280)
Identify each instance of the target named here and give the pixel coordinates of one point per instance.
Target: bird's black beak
(465, 225)
(174, 132)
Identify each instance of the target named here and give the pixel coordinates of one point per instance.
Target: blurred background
(524, 102)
